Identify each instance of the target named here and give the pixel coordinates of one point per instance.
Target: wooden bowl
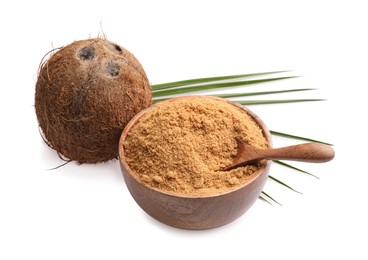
(195, 211)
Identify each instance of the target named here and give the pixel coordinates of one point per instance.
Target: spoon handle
(308, 152)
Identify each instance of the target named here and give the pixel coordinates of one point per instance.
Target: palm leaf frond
(296, 137)
(275, 101)
(264, 199)
(245, 94)
(196, 88)
(294, 168)
(234, 95)
(180, 83)
(265, 195)
(283, 184)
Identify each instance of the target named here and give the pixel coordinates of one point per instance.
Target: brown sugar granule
(181, 145)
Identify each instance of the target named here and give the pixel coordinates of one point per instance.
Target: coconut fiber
(86, 93)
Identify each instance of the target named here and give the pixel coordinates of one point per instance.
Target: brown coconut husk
(86, 93)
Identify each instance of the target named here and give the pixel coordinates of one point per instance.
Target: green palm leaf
(265, 197)
(296, 137)
(244, 94)
(283, 184)
(207, 80)
(274, 101)
(190, 88)
(294, 168)
(232, 95)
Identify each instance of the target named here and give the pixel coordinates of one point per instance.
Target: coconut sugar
(182, 145)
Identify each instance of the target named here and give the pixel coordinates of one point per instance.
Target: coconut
(86, 93)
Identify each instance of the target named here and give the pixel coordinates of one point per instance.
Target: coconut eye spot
(118, 49)
(113, 68)
(115, 49)
(87, 53)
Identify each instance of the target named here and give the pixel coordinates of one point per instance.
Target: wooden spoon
(308, 152)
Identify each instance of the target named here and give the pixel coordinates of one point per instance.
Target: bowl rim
(250, 180)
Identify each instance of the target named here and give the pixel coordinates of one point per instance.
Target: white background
(86, 211)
